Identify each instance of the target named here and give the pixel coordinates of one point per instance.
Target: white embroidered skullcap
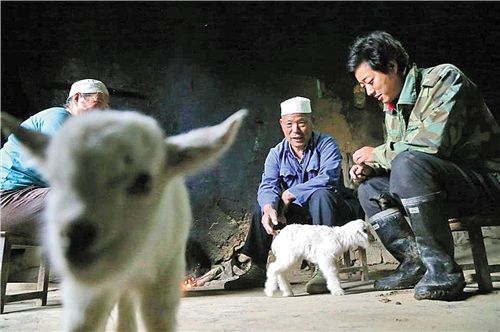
(87, 86)
(296, 105)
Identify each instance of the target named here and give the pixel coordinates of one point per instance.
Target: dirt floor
(361, 309)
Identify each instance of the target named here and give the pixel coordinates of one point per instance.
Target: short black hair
(378, 49)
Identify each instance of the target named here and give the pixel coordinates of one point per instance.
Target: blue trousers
(416, 173)
(324, 207)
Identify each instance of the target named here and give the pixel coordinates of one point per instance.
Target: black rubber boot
(398, 238)
(444, 279)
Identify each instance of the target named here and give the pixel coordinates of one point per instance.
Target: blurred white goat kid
(319, 244)
(118, 212)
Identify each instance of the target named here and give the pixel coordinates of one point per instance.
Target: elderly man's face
(84, 102)
(297, 129)
(95, 100)
(383, 87)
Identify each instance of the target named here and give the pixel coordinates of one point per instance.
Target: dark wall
(191, 64)
(235, 39)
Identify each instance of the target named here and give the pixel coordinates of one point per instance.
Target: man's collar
(408, 95)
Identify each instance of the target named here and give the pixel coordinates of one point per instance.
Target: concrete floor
(361, 309)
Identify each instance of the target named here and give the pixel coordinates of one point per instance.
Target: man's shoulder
(52, 117)
(442, 70)
(52, 112)
(321, 138)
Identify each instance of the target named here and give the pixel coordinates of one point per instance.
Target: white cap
(296, 105)
(87, 86)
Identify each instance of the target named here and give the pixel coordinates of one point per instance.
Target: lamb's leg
(282, 264)
(85, 310)
(284, 284)
(271, 284)
(329, 269)
(126, 315)
(160, 300)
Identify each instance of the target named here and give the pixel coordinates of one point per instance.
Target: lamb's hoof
(337, 292)
(269, 293)
(287, 294)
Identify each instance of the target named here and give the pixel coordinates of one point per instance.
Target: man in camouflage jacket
(441, 158)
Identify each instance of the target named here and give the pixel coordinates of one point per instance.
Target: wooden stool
(349, 268)
(11, 241)
(472, 225)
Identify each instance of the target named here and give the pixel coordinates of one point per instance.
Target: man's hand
(359, 173)
(270, 219)
(363, 155)
(287, 197)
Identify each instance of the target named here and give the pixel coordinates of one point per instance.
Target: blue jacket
(16, 170)
(321, 167)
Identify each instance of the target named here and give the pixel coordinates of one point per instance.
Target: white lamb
(322, 245)
(118, 213)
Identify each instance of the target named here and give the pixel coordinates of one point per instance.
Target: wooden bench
(472, 225)
(11, 241)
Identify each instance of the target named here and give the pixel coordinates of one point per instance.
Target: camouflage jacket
(447, 116)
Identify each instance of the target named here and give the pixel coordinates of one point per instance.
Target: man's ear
(393, 66)
(201, 147)
(34, 142)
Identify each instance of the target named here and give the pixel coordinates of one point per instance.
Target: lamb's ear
(201, 147)
(35, 143)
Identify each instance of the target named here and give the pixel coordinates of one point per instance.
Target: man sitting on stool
(301, 183)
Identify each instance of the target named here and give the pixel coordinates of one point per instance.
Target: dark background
(191, 64)
(309, 38)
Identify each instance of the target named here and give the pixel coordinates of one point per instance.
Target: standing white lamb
(118, 213)
(319, 244)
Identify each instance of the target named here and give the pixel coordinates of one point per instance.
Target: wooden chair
(11, 241)
(472, 225)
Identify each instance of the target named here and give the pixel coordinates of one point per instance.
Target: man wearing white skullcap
(22, 188)
(85, 95)
(302, 182)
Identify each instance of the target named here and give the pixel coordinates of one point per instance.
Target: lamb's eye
(141, 185)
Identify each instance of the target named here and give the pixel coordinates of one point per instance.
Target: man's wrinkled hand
(365, 154)
(287, 197)
(359, 173)
(269, 220)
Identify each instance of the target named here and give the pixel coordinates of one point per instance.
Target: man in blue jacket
(22, 188)
(302, 183)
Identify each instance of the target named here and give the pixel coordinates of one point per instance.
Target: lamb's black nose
(81, 234)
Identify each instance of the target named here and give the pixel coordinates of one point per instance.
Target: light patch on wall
(359, 97)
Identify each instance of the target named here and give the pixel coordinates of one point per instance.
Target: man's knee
(322, 195)
(410, 166)
(414, 173)
(372, 187)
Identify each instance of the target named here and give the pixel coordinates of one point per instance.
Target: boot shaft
(429, 223)
(398, 238)
(433, 235)
(395, 233)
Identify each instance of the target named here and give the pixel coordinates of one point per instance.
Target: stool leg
(347, 259)
(4, 268)
(364, 265)
(43, 279)
(480, 258)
